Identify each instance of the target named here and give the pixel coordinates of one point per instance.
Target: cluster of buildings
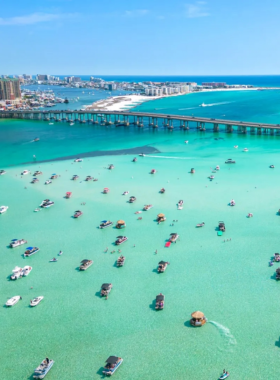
(167, 90)
(10, 89)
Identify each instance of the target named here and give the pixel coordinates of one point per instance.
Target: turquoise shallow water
(229, 281)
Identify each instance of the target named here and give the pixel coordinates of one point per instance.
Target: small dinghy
(60, 253)
(36, 301)
(37, 209)
(54, 260)
(225, 375)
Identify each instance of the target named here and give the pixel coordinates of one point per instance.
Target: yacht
(12, 301)
(2, 172)
(85, 264)
(31, 251)
(48, 181)
(17, 242)
(36, 301)
(17, 273)
(217, 167)
(41, 371)
(180, 203)
(112, 364)
(105, 224)
(26, 270)
(3, 209)
(232, 202)
(25, 172)
(47, 203)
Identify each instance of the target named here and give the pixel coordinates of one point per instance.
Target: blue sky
(145, 37)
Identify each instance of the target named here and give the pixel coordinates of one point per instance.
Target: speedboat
(235, 146)
(245, 150)
(17, 273)
(17, 242)
(25, 172)
(142, 155)
(120, 240)
(77, 214)
(48, 181)
(3, 209)
(147, 207)
(26, 270)
(200, 224)
(36, 139)
(2, 172)
(78, 160)
(153, 171)
(202, 105)
(34, 180)
(41, 371)
(75, 176)
(162, 265)
(159, 302)
(125, 192)
(105, 289)
(105, 224)
(271, 166)
(112, 364)
(111, 167)
(120, 261)
(60, 253)
(12, 301)
(229, 161)
(37, 173)
(37, 209)
(132, 199)
(54, 176)
(225, 375)
(68, 194)
(31, 251)
(85, 264)
(54, 260)
(106, 190)
(89, 178)
(173, 237)
(232, 202)
(36, 301)
(47, 203)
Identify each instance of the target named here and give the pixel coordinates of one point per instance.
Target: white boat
(50, 123)
(36, 301)
(217, 167)
(245, 150)
(54, 260)
(26, 270)
(37, 209)
(125, 192)
(46, 203)
(12, 301)
(232, 202)
(17, 273)
(72, 124)
(2, 172)
(78, 160)
(235, 146)
(48, 181)
(17, 242)
(3, 209)
(41, 371)
(202, 105)
(25, 172)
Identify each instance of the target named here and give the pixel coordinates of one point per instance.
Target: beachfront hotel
(9, 89)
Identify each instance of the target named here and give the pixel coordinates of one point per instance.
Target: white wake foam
(225, 332)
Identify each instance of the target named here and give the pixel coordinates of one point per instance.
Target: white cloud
(197, 9)
(33, 18)
(136, 12)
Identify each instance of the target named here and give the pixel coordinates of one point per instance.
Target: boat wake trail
(217, 104)
(183, 109)
(225, 332)
(174, 158)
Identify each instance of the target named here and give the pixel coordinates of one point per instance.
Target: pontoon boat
(85, 264)
(105, 289)
(162, 265)
(120, 240)
(17, 242)
(112, 364)
(159, 302)
(31, 251)
(77, 214)
(120, 261)
(105, 224)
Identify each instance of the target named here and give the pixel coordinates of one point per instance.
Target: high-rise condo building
(9, 89)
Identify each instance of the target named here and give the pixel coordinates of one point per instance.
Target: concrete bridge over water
(141, 119)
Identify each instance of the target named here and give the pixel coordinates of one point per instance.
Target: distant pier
(144, 119)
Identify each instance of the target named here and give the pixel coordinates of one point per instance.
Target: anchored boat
(41, 371)
(120, 261)
(105, 224)
(159, 302)
(105, 289)
(31, 251)
(162, 265)
(85, 264)
(198, 319)
(17, 242)
(120, 240)
(120, 224)
(112, 364)
(36, 301)
(12, 301)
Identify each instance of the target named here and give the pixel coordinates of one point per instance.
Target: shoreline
(146, 149)
(127, 102)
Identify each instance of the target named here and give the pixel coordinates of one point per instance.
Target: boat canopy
(29, 248)
(160, 297)
(121, 222)
(173, 233)
(104, 221)
(105, 286)
(160, 215)
(120, 237)
(85, 261)
(78, 211)
(112, 360)
(197, 315)
(14, 239)
(162, 262)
